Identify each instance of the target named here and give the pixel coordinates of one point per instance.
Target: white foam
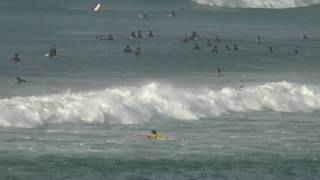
(128, 105)
(276, 4)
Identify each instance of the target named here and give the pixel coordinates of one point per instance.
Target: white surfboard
(47, 55)
(97, 8)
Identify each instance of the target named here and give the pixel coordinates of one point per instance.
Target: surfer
(110, 37)
(235, 47)
(305, 37)
(150, 34)
(138, 51)
(270, 49)
(16, 58)
(139, 34)
(208, 42)
(296, 52)
(127, 49)
(194, 36)
(215, 49)
(153, 134)
(228, 48)
(259, 41)
(173, 14)
(143, 16)
(217, 39)
(20, 80)
(53, 51)
(133, 35)
(218, 71)
(197, 46)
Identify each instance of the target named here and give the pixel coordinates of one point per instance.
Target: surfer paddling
(20, 80)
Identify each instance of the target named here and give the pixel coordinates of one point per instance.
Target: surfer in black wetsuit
(20, 80)
(235, 47)
(259, 41)
(127, 49)
(228, 48)
(133, 35)
(194, 36)
(305, 37)
(53, 51)
(138, 51)
(217, 39)
(150, 34)
(218, 71)
(16, 58)
(296, 52)
(173, 14)
(110, 37)
(208, 42)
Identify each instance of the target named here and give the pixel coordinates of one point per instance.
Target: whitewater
(127, 105)
(275, 4)
(220, 112)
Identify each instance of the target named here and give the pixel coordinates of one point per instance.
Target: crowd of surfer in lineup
(216, 45)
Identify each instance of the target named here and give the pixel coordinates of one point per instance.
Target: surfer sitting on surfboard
(16, 58)
(138, 51)
(154, 135)
(127, 49)
(52, 51)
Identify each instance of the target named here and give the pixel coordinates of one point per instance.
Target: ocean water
(87, 112)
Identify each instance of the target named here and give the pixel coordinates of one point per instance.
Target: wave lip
(274, 4)
(130, 105)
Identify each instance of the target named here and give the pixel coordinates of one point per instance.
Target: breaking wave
(275, 4)
(128, 105)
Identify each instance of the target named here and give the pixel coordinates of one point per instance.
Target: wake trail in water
(130, 105)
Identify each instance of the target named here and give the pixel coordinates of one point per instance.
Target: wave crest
(127, 105)
(275, 4)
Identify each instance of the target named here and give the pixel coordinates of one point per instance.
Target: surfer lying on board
(20, 80)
